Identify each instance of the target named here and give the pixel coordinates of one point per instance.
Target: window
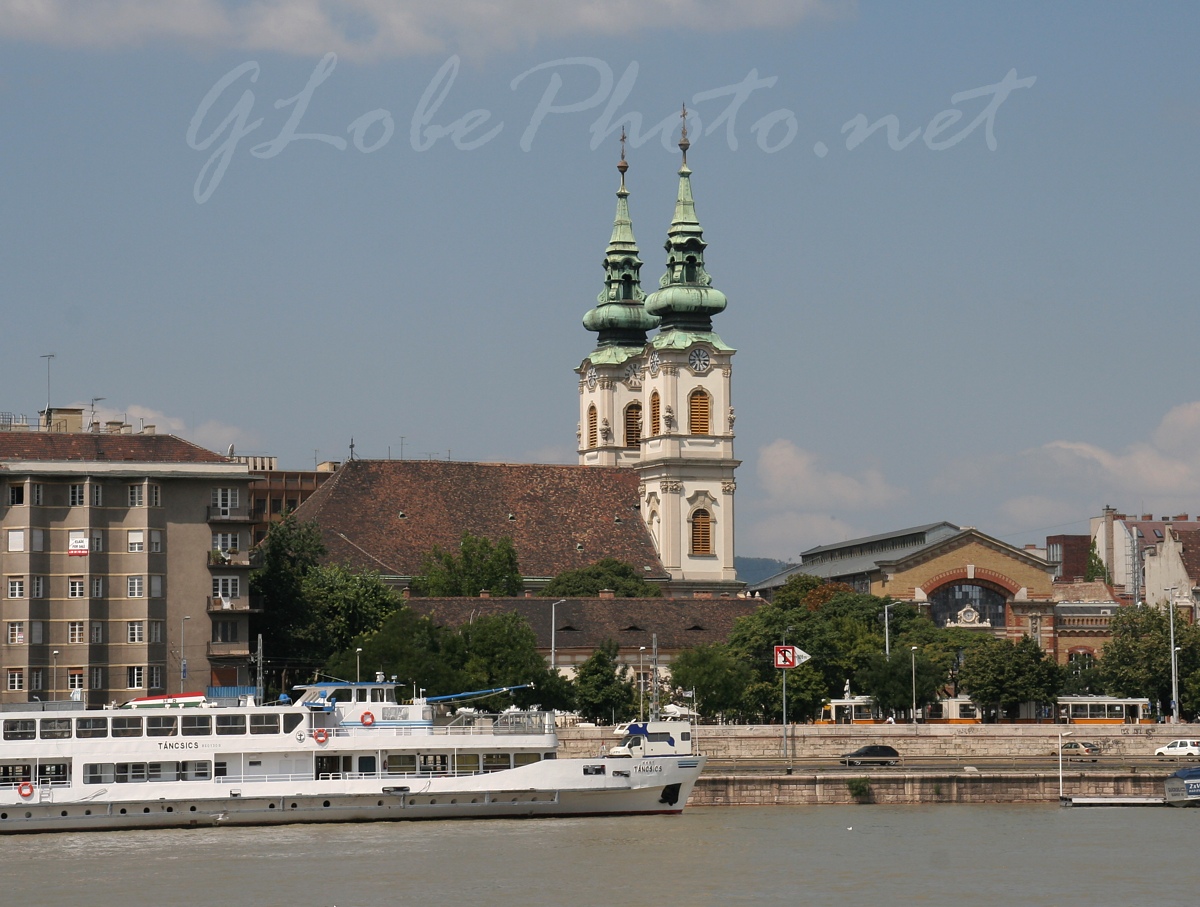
(97, 678)
(136, 542)
(56, 728)
(264, 724)
(74, 678)
(135, 631)
(231, 724)
(97, 540)
(655, 407)
(38, 540)
(197, 725)
(592, 435)
(225, 541)
(37, 632)
(701, 532)
(226, 587)
(35, 679)
(16, 494)
(16, 632)
(135, 587)
(97, 587)
(156, 540)
(133, 681)
(156, 682)
(633, 424)
(97, 495)
(156, 586)
(37, 587)
(91, 727)
(156, 631)
(225, 631)
(699, 410)
(225, 497)
(75, 587)
(75, 631)
(128, 727)
(36, 496)
(16, 587)
(155, 495)
(16, 679)
(77, 543)
(16, 540)
(136, 495)
(76, 496)
(97, 631)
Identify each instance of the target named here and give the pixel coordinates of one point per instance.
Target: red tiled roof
(587, 622)
(1190, 543)
(102, 447)
(387, 515)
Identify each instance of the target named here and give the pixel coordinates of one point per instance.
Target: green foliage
(586, 582)
(1137, 659)
(859, 788)
(602, 692)
(1004, 674)
(890, 681)
(340, 606)
(478, 565)
(718, 678)
(501, 650)
(1095, 569)
(412, 649)
(281, 562)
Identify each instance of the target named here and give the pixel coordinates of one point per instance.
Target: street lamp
(182, 655)
(887, 633)
(54, 680)
(914, 684)
(358, 665)
(1061, 735)
(553, 630)
(641, 680)
(1174, 671)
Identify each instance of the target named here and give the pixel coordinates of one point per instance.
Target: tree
(281, 561)
(410, 648)
(889, 682)
(478, 565)
(1004, 675)
(501, 650)
(1137, 659)
(602, 692)
(717, 676)
(1095, 569)
(341, 605)
(586, 582)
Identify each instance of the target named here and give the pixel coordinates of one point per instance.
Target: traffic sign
(790, 656)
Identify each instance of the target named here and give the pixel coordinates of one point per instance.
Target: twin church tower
(661, 404)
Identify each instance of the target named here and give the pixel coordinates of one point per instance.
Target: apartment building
(124, 558)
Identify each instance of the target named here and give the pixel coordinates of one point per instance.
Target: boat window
(526, 758)
(52, 771)
(466, 762)
(160, 726)
(546, 756)
(20, 728)
(91, 727)
(264, 724)
(291, 721)
(231, 724)
(162, 771)
(434, 762)
(220, 769)
(15, 773)
(342, 695)
(195, 771)
(401, 763)
(99, 773)
(127, 727)
(56, 728)
(378, 694)
(127, 772)
(360, 695)
(366, 765)
(197, 725)
(495, 762)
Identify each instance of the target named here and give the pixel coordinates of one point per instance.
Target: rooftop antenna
(47, 357)
(95, 400)
(351, 448)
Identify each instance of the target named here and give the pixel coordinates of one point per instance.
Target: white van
(654, 738)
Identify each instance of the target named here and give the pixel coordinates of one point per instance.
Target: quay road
(942, 764)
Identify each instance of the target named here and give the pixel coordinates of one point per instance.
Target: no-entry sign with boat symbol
(790, 656)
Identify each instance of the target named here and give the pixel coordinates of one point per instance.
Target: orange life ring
(25, 789)
(320, 735)
(367, 719)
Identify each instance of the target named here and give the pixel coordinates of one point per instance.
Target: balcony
(229, 514)
(229, 650)
(224, 558)
(244, 605)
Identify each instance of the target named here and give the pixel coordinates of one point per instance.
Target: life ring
(320, 735)
(367, 719)
(25, 789)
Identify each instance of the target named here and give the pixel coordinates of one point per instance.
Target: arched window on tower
(699, 412)
(689, 270)
(633, 425)
(702, 532)
(591, 426)
(654, 414)
(627, 286)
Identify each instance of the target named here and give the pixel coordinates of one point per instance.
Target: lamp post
(887, 630)
(1174, 671)
(641, 680)
(553, 630)
(914, 684)
(1061, 735)
(54, 680)
(182, 653)
(358, 665)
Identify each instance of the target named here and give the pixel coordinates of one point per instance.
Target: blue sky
(988, 317)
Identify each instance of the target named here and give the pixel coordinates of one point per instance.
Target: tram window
(56, 728)
(127, 727)
(967, 710)
(197, 725)
(160, 726)
(401, 763)
(1116, 710)
(526, 758)
(496, 762)
(91, 727)
(264, 724)
(231, 724)
(467, 762)
(20, 728)
(291, 721)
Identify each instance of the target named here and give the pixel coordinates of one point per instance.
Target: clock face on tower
(654, 363)
(699, 361)
(591, 377)
(633, 374)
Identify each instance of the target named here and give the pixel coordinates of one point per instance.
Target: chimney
(147, 429)
(702, 593)
(113, 426)
(529, 593)
(1181, 517)
(607, 593)
(485, 593)
(406, 592)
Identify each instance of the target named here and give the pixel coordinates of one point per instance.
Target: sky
(958, 240)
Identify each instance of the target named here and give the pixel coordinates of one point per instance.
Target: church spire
(620, 318)
(686, 299)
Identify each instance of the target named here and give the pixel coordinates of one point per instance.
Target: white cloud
(795, 479)
(213, 435)
(374, 29)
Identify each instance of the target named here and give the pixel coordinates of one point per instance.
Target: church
(655, 441)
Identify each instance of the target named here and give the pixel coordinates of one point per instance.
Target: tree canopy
(479, 564)
(609, 573)
(602, 690)
(1003, 674)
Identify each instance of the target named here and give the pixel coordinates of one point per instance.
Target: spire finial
(684, 144)
(622, 166)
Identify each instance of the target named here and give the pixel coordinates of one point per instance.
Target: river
(825, 855)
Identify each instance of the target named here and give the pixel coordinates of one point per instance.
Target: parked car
(876, 754)
(1177, 748)
(1080, 751)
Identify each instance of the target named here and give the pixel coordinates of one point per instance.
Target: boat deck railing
(348, 776)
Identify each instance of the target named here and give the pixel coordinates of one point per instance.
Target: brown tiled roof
(387, 515)
(1190, 542)
(587, 622)
(103, 448)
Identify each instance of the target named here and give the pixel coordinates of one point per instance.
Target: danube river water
(826, 855)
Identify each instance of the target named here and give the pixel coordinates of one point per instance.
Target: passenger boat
(1183, 787)
(342, 752)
